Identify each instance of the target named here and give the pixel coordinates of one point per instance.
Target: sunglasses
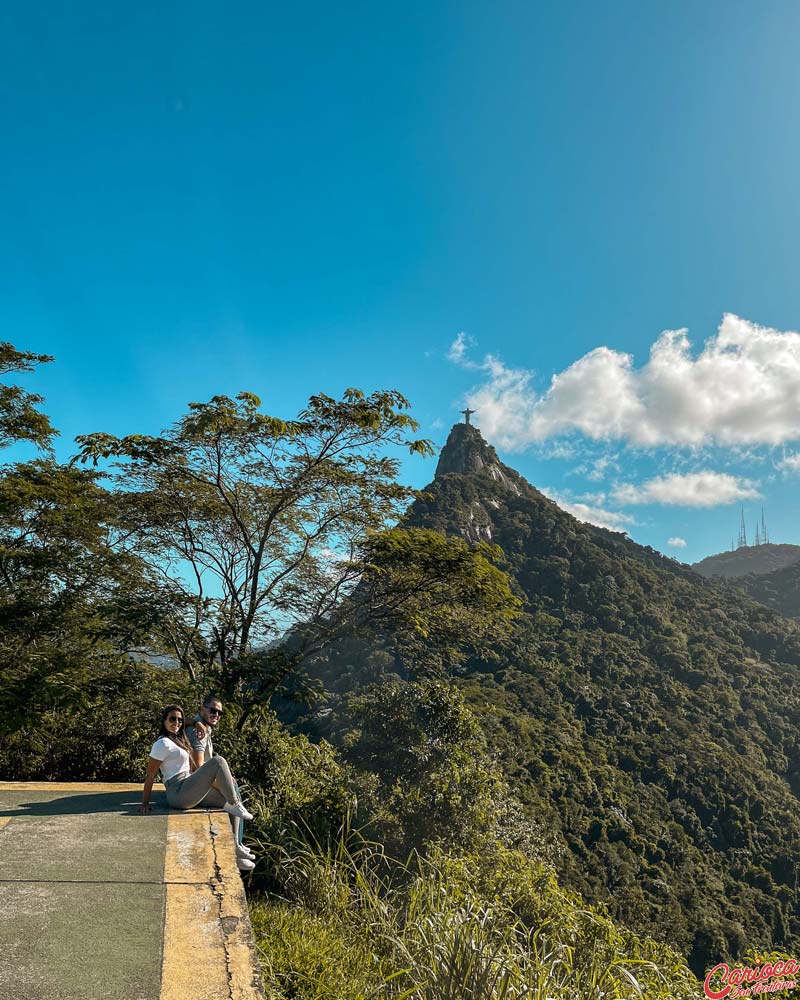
(174, 718)
(214, 711)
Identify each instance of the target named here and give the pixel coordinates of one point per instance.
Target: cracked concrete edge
(188, 853)
(209, 950)
(193, 960)
(244, 971)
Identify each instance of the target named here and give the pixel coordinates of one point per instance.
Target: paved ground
(102, 903)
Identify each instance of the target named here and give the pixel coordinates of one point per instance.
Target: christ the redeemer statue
(467, 414)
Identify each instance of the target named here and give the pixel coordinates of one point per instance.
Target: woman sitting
(210, 785)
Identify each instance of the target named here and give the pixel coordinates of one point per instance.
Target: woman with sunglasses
(171, 754)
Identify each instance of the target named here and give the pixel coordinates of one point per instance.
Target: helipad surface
(103, 903)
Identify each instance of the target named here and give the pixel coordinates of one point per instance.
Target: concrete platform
(103, 903)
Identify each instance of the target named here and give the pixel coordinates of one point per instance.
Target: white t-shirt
(173, 759)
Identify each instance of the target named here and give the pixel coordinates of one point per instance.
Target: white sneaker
(237, 809)
(244, 852)
(245, 864)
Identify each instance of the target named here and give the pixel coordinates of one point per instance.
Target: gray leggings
(196, 789)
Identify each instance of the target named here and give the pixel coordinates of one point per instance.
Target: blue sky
(460, 201)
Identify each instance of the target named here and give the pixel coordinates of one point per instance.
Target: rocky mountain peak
(465, 463)
(467, 453)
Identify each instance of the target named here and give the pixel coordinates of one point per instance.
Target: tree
(424, 596)
(265, 528)
(73, 598)
(433, 773)
(20, 420)
(424, 599)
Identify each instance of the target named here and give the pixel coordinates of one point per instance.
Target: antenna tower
(742, 533)
(764, 535)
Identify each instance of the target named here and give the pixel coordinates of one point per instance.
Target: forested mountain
(779, 590)
(769, 573)
(647, 718)
(749, 559)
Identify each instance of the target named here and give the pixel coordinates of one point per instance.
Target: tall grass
(356, 925)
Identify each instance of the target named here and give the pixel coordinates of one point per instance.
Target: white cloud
(742, 388)
(692, 489)
(600, 516)
(790, 463)
(560, 449)
(600, 466)
(593, 498)
(506, 405)
(676, 543)
(458, 351)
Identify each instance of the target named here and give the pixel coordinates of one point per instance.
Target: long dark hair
(180, 736)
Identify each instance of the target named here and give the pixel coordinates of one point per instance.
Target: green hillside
(648, 719)
(749, 559)
(769, 574)
(779, 590)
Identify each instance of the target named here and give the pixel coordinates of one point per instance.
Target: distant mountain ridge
(755, 559)
(779, 590)
(648, 717)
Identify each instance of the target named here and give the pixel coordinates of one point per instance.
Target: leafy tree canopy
(20, 420)
(264, 528)
(73, 596)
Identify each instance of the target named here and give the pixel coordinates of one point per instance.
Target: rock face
(466, 453)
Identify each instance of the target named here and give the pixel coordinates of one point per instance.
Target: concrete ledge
(101, 902)
(208, 943)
